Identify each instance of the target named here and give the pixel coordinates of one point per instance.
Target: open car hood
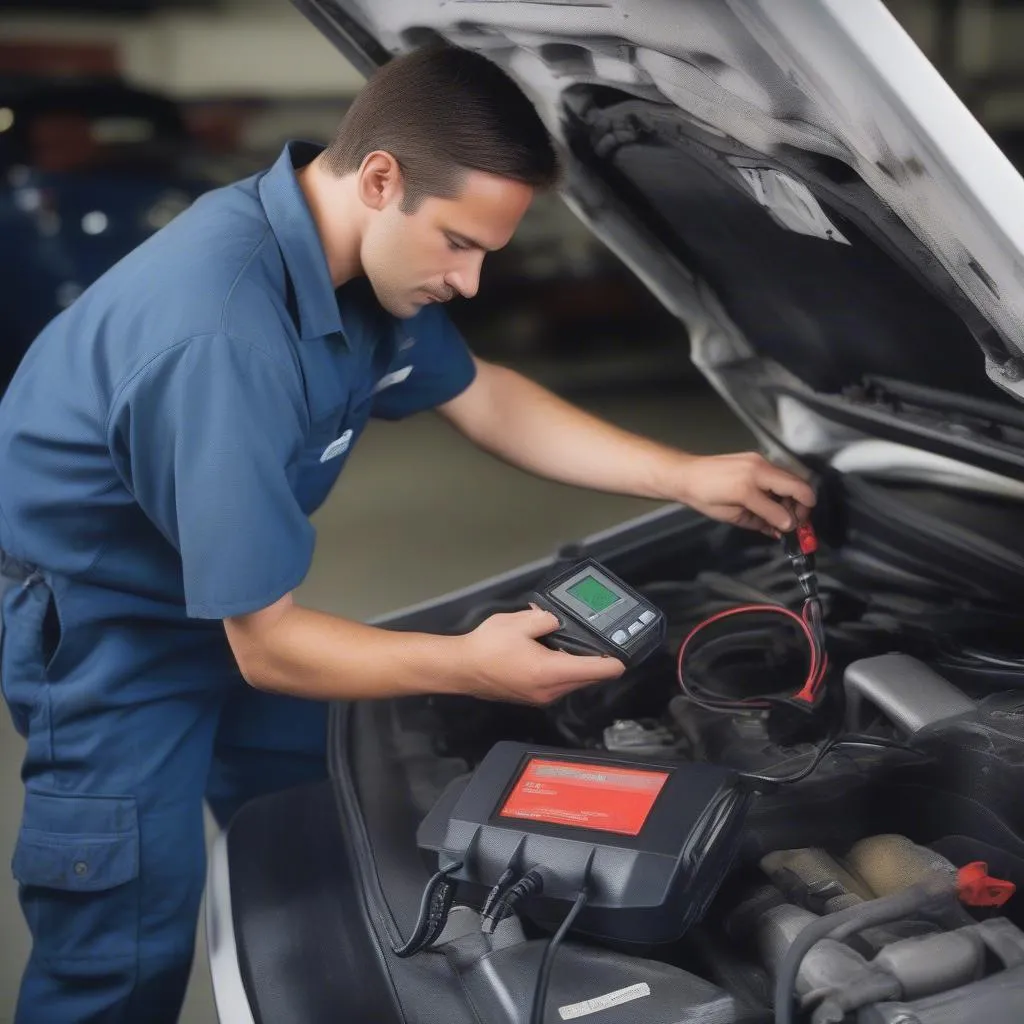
(796, 182)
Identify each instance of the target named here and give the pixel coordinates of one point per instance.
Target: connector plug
(800, 546)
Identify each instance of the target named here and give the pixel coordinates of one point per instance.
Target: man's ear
(379, 180)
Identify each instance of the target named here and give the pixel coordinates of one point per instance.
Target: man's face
(436, 253)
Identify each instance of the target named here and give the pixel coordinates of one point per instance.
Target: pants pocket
(76, 861)
(31, 643)
(6, 584)
(21, 652)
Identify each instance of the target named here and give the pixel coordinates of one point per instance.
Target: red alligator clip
(807, 538)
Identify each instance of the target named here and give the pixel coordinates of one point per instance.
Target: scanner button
(620, 636)
(635, 628)
(647, 616)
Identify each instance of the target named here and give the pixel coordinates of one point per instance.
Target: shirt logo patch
(390, 379)
(337, 447)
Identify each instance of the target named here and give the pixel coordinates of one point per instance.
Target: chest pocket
(328, 445)
(349, 379)
(333, 435)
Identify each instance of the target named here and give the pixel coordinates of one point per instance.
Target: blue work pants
(133, 716)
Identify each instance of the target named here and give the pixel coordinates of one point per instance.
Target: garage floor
(418, 512)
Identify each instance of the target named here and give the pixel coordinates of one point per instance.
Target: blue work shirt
(168, 435)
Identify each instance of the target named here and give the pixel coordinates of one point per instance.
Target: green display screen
(593, 593)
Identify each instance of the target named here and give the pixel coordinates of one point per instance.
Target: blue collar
(296, 234)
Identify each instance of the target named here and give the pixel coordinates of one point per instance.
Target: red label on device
(596, 796)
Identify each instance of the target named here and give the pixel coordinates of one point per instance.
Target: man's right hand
(503, 660)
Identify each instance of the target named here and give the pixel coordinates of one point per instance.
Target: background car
(88, 170)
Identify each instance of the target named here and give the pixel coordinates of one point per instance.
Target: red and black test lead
(800, 546)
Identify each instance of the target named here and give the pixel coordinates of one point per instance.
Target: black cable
(435, 904)
(820, 754)
(857, 740)
(540, 992)
(495, 893)
(798, 776)
(844, 923)
(529, 885)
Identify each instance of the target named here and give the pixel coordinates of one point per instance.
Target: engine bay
(972, 640)
(896, 802)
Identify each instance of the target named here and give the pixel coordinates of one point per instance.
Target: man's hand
(504, 661)
(745, 490)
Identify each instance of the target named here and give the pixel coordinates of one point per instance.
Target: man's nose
(466, 280)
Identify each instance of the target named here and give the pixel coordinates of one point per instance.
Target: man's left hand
(744, 489)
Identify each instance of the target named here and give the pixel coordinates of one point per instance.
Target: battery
(650, 840)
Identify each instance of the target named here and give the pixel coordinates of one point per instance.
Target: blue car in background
(88, 170)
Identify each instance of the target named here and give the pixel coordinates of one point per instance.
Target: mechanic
(162, 447)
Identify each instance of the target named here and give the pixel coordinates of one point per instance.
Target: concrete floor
(418, 512)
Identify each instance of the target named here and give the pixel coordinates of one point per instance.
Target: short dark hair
(439, 111)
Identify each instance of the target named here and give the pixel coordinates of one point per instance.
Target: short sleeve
(203, 437)
(432, 364)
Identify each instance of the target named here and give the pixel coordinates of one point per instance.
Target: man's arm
(216, 486)
(286, 648)
(526, 425)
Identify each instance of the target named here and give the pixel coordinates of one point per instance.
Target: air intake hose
(929, 895)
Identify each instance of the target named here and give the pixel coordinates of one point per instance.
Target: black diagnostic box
(652, 841)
